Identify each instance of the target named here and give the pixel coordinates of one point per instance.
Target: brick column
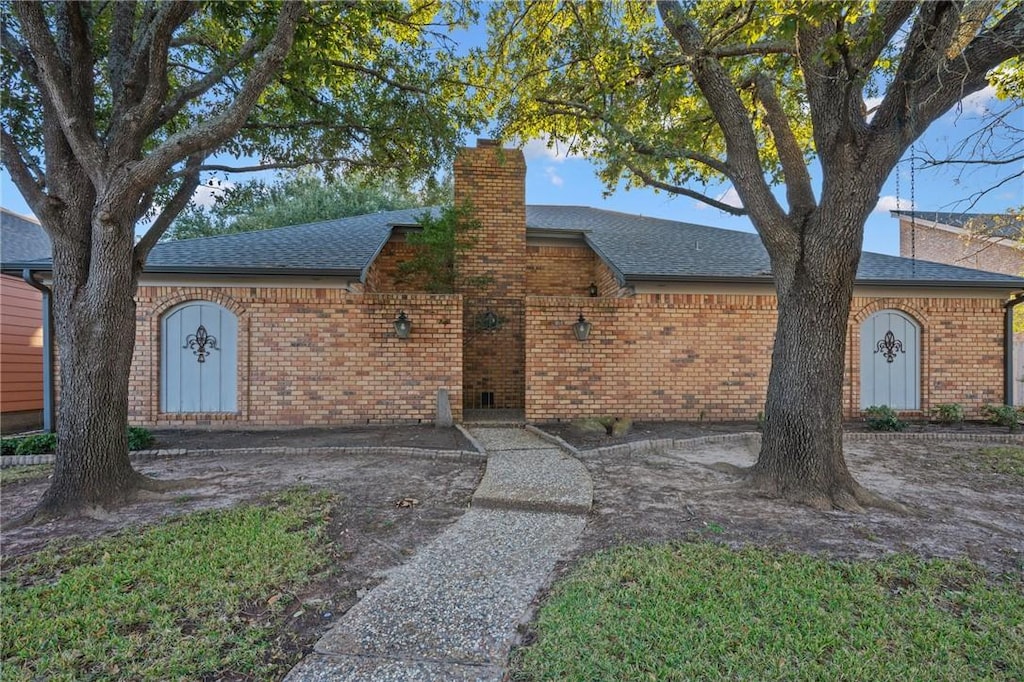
(493, 181)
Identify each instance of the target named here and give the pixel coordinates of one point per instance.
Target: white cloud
(890, 202)
(539, 148)
(207, 193)
(979, 102)
(553, 176)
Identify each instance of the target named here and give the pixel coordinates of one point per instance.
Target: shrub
(883, 418)
(139, 438)
(39, 444)
(949, 413)
(1003, 415)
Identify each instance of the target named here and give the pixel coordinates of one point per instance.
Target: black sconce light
(593, 290)
(403, 325)
(582, 328)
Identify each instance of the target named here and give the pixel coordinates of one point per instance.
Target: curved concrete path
(452, 611)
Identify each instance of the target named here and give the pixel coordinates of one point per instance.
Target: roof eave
(945, 284)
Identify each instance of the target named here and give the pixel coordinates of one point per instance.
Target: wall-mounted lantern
(592, 290)
(403, 325)
(582, 328)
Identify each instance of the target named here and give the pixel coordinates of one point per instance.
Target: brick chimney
(493, 180)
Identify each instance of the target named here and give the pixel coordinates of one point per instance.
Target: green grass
(25, 473)
(183, 600)
(705, 612)
(1004, 459)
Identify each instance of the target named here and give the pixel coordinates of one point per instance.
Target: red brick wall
(315, 356)
(966, 251)
(555, 270)
(707, 356)
(494, 181)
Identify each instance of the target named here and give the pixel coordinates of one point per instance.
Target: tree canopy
(300, 197)
(615, 81)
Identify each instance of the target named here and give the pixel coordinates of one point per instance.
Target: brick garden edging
(659, 444)
(144, 455)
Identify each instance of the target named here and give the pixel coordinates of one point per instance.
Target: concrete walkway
(452, 611)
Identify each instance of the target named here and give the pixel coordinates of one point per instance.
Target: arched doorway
(198, 359)
(890, 361)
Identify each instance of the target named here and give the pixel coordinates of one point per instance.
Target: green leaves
(300, 197)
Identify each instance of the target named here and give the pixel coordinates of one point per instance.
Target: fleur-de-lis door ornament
(202, 343)
(889, 346)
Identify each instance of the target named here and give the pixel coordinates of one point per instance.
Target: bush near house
(139, 438)
(949, 413)
(1004, 415)
(883, 418)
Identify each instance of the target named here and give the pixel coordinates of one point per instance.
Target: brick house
(296, 325)
(984, 241)
(21, 326)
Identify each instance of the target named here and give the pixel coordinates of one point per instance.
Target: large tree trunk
(94, 321)
(801, 455)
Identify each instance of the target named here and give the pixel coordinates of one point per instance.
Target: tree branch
(142, 118)
(30, 186)
(380, 75)
(686, 192)
(731, 115)
(200, 87)
(180, 199)
(635, 143)
(58, 89)
(207, 135)
(799, 192)
(765, 48)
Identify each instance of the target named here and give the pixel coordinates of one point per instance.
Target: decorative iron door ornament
(889, 346)
(199, 341)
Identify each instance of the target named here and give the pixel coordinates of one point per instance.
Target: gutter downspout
(1008, 370)
(30, 279)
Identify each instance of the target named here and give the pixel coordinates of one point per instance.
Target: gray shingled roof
(345, 246)
(994, 224)
(642, 248)
(21, 239)
(636, 247)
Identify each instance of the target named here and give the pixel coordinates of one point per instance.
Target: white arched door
(198, 359)
(890, 361)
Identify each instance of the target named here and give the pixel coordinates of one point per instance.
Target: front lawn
(196, 597)
(703, 611)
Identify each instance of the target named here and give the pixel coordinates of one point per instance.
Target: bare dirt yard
(960, 504)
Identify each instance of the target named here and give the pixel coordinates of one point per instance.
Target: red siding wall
(21, 346)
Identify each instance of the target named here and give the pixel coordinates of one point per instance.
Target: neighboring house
(985, 241)
(296, 325)
(21, 326)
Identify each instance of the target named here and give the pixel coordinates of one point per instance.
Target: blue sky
(554, 179)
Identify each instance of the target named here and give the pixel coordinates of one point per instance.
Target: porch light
(582, 328)
(403, 325)
(593, 291)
